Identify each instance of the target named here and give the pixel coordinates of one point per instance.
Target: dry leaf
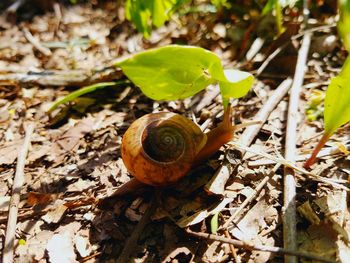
(82, 245)
(4, 203)
(318, 239)
(343, 253)
(199, 216)
(306, 211)
(9, 152)
(217, 184)
(55, 215)
(80, 185)
(60, 248)
(177, 251)
(35, 198)
(254, 221)
(69, 140)
(34, 248)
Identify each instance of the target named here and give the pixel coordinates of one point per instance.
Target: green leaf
(83, 91)
(139, 12)
(270, 5)
(214, 223)
(237, 84)
(177, 72)
(144, 14)
(221, 3)
(337, 101)
(171, 72)
(344, 23)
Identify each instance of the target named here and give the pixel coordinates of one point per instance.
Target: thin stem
(278, 17)
(318, 148)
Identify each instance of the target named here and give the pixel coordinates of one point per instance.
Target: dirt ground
(67, 210)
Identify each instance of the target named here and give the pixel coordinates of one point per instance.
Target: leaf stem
(85, 90)
(319, 146)
(278, 18)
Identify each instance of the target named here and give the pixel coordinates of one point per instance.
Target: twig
(58, 14)
(295, 37)
(289, 164)
(63, 78)
(289, 205)
(333, 150)
(12, 9)
(269, 58)
(247, 137)
(251, 132)
(15, 198)
(251, 246)
(232, 248)
(36, 43)
(132, 241)
(87, 258)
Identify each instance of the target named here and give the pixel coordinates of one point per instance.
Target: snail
(160, 148)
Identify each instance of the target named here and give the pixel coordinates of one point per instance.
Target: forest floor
(74, 160)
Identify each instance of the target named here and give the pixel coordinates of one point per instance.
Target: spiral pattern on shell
(159, 148)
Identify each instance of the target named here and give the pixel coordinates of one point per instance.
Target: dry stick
(250, 132)
(281, 160)
(15, 198)
(289, 205)
(251, 246)
(248, 136)
(63, 77)
(12, 9)
(132, 240)
(278, 50)
(333, 150)
(36, 43)
(232, 248)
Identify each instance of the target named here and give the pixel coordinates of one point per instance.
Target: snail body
(160, 148)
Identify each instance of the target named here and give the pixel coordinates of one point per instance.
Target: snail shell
(160, 148)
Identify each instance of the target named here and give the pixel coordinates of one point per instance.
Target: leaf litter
(76, 159)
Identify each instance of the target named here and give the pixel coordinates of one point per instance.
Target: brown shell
(159, 148)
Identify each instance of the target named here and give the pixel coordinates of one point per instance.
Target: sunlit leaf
(237, 85)
(139, 12)
(270, 5)
(337, 102)
(177, 72)
(214, 223)
(145, 14)
(344, 23)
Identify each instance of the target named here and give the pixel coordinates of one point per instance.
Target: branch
(251, 246)
(62, 77)
(217, 183)
(36, 43)
(15, 198)
(251, 132)
(289, 205)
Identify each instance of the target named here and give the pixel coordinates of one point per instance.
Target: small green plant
(145, 14)
(315, 109)
(176, 72)
(277, 6)
(337, 101)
